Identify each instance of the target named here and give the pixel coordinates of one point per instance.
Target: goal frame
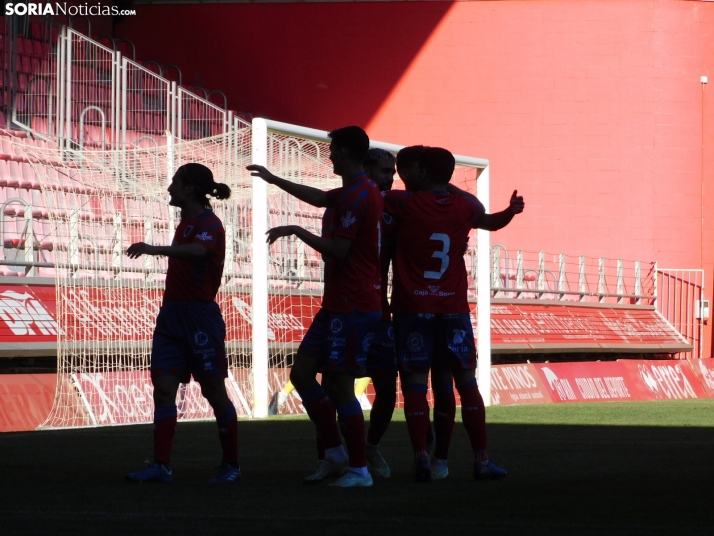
(260, 130)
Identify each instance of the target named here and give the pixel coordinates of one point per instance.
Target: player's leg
(361, 385)
(340, 387)
(313, 351)
(169, 368)
(473, 414)
(457, 344)
(277, 401)
(414, 336)
(165, 415)
(442, 385)
(385, 398)
(416, 413)
(227, 421)
(206, 353)
(317, 404)
(350, 334)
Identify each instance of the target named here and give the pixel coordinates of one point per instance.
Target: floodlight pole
(260, 273)
(483, 293)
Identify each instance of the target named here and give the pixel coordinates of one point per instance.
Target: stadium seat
(37, 48)
(36, 31)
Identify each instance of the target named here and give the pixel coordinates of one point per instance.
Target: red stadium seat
(36, 31)
(37, 49)
(4, 174)
(26, 64)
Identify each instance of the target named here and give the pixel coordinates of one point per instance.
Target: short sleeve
(395, 201)
(333, 196)
(349, 210)
(210, 234)
(478, 208)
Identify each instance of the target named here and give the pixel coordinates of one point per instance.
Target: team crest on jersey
(336, 325)
(204, 236)
(415, 341)
(387, 218)
(188, 230)
(201, 338)
(348, 219)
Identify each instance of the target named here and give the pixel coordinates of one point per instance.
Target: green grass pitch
(577, 469)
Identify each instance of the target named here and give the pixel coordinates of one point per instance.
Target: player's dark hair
(408, 155)
(439, 164)
(375, 155)
(352, 139)
(201, 178)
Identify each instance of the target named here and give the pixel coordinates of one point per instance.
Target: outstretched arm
(337, 247)
(498, 220)
(183, 251)
(310, 195)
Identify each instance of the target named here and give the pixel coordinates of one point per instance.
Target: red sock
(164, 431)
(321, 412)
(444, 416)
(385, 398)
(351, 421)
(228, 433)
(473, 414)
(416, 411)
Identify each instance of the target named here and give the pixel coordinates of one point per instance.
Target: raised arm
(183, 251)
(337, 247)
(498, 220)
(310, 195)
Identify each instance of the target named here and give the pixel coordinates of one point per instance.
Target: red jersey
(197, 279)
(354, 283)
(429, 269)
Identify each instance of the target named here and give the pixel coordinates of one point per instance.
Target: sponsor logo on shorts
(334, 355)
(459, 336)
(336, 325)
(387, 218)
(201, 338)
(188, 231)
(390, 333)
(415, 341)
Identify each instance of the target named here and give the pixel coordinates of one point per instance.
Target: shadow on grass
(563, 479)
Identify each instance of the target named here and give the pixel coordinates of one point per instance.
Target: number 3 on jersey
(442, 254)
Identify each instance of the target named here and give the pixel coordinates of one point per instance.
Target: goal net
(91, 205)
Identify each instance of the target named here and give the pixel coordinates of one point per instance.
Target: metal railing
(87, 96)
(680, 297)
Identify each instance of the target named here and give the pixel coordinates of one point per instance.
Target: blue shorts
(381, 356)
(189, 339)
(426, 340)
(337, 340)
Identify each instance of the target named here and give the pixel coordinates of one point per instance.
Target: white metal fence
(679, 299)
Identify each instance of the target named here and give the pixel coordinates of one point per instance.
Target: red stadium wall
(594, 110)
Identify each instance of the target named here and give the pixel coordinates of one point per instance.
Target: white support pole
(483, 294)
(260, 273)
